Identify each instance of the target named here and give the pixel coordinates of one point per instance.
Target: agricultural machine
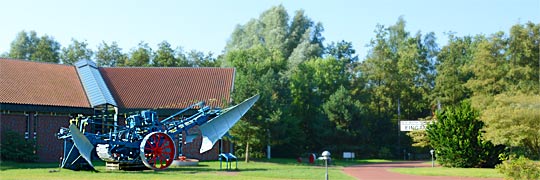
(145, 140)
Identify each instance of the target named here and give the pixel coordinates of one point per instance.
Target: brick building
(36, 99)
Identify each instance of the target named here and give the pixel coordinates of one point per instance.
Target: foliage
(15, 148)
(76, 51)
(164, 56)
(419, 137)
(196, 58)
(258, 72)
(315, 97)
(519, 168)
(29, 46)
(451, 77)
(397, 74)
(140, 56)
(514, 120)
(265, 52)
(110, 55)
(457, 139)
(46, 50)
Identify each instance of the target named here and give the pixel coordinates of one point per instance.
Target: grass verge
(443, 171)
(279, 169)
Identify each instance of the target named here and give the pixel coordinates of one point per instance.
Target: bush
(520, 168)
(457, 139)
(15, 148)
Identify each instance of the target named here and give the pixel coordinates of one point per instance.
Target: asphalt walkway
(379, 171)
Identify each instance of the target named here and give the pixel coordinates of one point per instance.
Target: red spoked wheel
(157, 150)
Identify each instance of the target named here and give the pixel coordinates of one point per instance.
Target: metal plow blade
(81, 148)
(214, 129)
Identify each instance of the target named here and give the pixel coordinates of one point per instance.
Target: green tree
(346, 114)
(451, 78)
(29, 46)
(514, 120)
(46, 50)
(257, 72)
(140, 56)
(24, 45)
(299, 26)
(182, 57)
(110, 55)
(304, 51)
(200, 59)
(523, 54)
(164, 56)
(342, 50)
(397, 75)
(76, 51)
(486, 67)
(274, 39)
(311, 85)
(457, 138)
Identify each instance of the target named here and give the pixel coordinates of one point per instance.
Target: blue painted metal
(93, 83)
(145, 139)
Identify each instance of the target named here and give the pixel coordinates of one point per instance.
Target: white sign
(413, 125)
(348, 155)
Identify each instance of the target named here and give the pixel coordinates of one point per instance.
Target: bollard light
(432, 162)
(326, 157)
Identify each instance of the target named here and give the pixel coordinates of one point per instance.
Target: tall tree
(76, 51)
(200, 59)
(46, 50)
(451, 77)
(351, 130)
(164, 56)
(274, 23)
(140, 56)
(299, 25)
(304, 51)
(110, 55)
(398, 77)
(24, 45)
(506, 88)
(311, 84)
(257, 72)
(274, 34)
(523, 54)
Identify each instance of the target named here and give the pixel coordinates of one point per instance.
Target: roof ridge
(151, 67)
(29, 61)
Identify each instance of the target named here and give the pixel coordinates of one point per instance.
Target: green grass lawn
(274, 169)
(442, 171)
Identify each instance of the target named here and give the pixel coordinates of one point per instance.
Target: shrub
(457, 139)
(520, 168)
(15, 148)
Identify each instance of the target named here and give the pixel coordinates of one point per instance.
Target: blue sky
(206, 25)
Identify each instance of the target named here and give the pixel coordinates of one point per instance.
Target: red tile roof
(146, 88)
(27, 82)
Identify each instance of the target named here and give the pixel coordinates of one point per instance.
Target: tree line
(319, 96)
(28, 46)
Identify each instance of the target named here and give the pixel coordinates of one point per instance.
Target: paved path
(379, 171)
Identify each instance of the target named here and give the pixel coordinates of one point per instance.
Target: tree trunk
(247, 152)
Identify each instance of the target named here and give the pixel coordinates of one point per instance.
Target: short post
(432, 162)
(326, 157)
